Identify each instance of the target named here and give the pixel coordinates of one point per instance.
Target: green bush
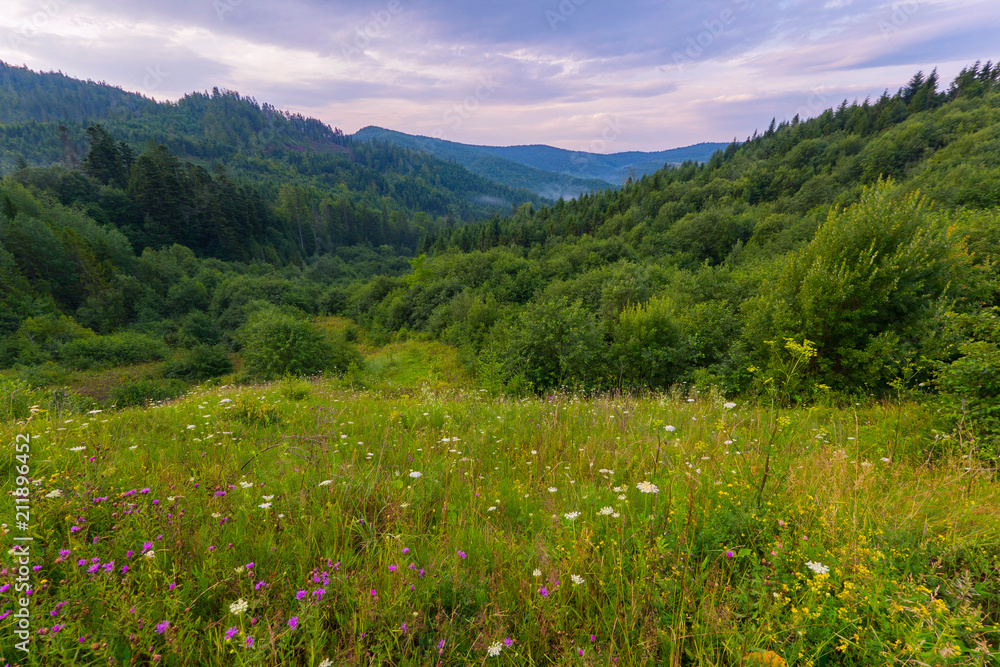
(650, 348)
(198, 328)
(970, 384)
(864, 291)
(554, 344)
(199, 363)
(141, 392)
(40, 339)
(119, 349)
(276, 344)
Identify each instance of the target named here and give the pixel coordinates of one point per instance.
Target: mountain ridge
(548, 171)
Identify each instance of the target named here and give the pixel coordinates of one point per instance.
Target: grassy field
(408, 518)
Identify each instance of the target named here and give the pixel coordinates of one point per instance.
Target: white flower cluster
(818, 568)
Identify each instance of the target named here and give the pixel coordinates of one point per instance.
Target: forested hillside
(44, 120)
(550, 172)
(849, 253)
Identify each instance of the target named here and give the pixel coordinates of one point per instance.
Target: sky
(594, 75)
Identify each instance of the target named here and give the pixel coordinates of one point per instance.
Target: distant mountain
(477, 159)
(547, 171)
(614, 168)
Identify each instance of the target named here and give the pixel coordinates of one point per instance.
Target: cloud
(515, 71)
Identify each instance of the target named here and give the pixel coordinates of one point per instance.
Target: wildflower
(491, 508)
(552, 489)
(54, 493)
(571, 515)
(326, 663)
(245, 484)
(818, 568)
(647, 487)
(494, 649)
(190, 427)
(543, 591)
(729, 554)
(268, 498)
(669, 429)
(462, 554)
(77, 449)
(239, 606)
(325, 482)
(150, 554)
(415, 474)
(536, 573)
(293, 621)
(300, 595)
(249, 642)
(729, 406)
(607, 511)
(577, 579)
(162, 627)
(264, 506)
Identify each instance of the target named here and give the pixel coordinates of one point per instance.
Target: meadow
(361, 520)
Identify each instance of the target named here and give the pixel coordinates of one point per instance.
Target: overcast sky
(599, 75)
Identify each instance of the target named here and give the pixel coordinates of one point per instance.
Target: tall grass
(409, 527)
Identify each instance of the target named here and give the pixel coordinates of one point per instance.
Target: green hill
(853, 247)
(44, 119)
(546, 171)
(478, 159)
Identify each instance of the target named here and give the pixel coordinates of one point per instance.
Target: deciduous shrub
(141, 392)
(276, 344)
(200, 363)
(118, 349)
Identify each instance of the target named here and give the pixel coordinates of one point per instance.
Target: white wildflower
(577, 579)
(818, 568)
(54, 493)
(416, 474)
(571, 515)
(239, 606)
(494, 649)
(536, 573)
(647, 487)
(607, 511)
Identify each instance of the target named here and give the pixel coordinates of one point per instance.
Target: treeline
(845, 253)
(45, 120)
